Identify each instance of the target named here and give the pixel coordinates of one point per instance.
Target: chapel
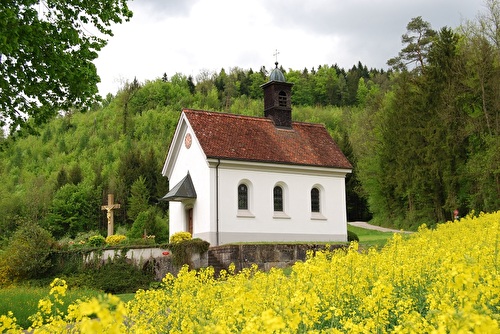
(237, 178)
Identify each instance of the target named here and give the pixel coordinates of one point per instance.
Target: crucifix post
(110, 214)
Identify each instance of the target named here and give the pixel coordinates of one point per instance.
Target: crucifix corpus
(110, 214)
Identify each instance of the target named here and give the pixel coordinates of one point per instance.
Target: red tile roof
(236, 137)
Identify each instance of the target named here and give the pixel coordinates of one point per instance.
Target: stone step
(214, 262)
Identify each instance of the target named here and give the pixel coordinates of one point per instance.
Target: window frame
(242, 197)
(245, 213)
(317, 215)
(278, 202)
(315, 200)
(284, 201)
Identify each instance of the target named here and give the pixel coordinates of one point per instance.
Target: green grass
(23, 300)
(126, 297)
(370, 238)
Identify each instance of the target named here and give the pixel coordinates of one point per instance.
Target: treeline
(60, 177)
(431, 144)
(423, 137)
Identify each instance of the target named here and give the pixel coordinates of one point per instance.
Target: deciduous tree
(46, 54)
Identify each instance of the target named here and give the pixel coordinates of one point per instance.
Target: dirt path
(377, 228)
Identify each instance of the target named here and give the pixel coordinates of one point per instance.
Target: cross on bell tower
(276, 53)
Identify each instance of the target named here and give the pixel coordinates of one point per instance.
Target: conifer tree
(139, 198)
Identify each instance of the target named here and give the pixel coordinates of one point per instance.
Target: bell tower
(277, 99)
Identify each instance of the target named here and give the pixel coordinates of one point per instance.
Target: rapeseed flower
(443, 280)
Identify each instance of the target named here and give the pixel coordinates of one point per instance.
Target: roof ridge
(259, 118)
(223, 113)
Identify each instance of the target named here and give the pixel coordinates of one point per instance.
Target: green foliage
(139, 198)
(27, 254)
(116, 276)
(75, 208)
(419, 145)
(47, 56)
(183, 249)
(418, 40)
(351, 236)
(150, 223)
(97, 241)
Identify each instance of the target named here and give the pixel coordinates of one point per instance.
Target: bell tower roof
(276, 74)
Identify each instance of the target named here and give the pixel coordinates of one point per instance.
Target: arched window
(278, 198)
(242, 197)
(315, 200)
(244, 193)
(282, 99)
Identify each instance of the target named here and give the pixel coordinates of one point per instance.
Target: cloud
(194, 35)
(165, 8)
(367, 30)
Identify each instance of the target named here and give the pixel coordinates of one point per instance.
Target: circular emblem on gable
(188, 140)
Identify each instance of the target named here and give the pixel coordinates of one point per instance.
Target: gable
(236, 137)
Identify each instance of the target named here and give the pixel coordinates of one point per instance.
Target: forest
(423, 137)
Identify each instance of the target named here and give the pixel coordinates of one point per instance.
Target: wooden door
(190, 220)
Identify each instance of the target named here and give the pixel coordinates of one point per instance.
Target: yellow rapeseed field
(444, 280)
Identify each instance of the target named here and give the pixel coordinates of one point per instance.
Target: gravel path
(377, 228)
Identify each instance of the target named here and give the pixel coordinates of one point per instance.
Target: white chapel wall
(260, 224)
(192, 160)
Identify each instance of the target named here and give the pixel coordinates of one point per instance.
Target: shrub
(183, 250)
(115, 239)
(180, 236)
(120, 276)
(5, 271)
(97, 241)
(115, 276)
(27, 254)
(351, 236)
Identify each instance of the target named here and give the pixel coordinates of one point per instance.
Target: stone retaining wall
(265, 256)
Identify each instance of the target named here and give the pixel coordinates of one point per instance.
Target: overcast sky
(190, 36)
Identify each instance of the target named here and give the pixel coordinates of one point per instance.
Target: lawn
(23, 300)
(370, 238)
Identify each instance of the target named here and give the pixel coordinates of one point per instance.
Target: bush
(120, 276)
(183, 250)
(180, 236)
(351, 236)
(97, 241)
(27, 254)
(115, 239)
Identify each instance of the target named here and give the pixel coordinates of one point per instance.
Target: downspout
(217, 202)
